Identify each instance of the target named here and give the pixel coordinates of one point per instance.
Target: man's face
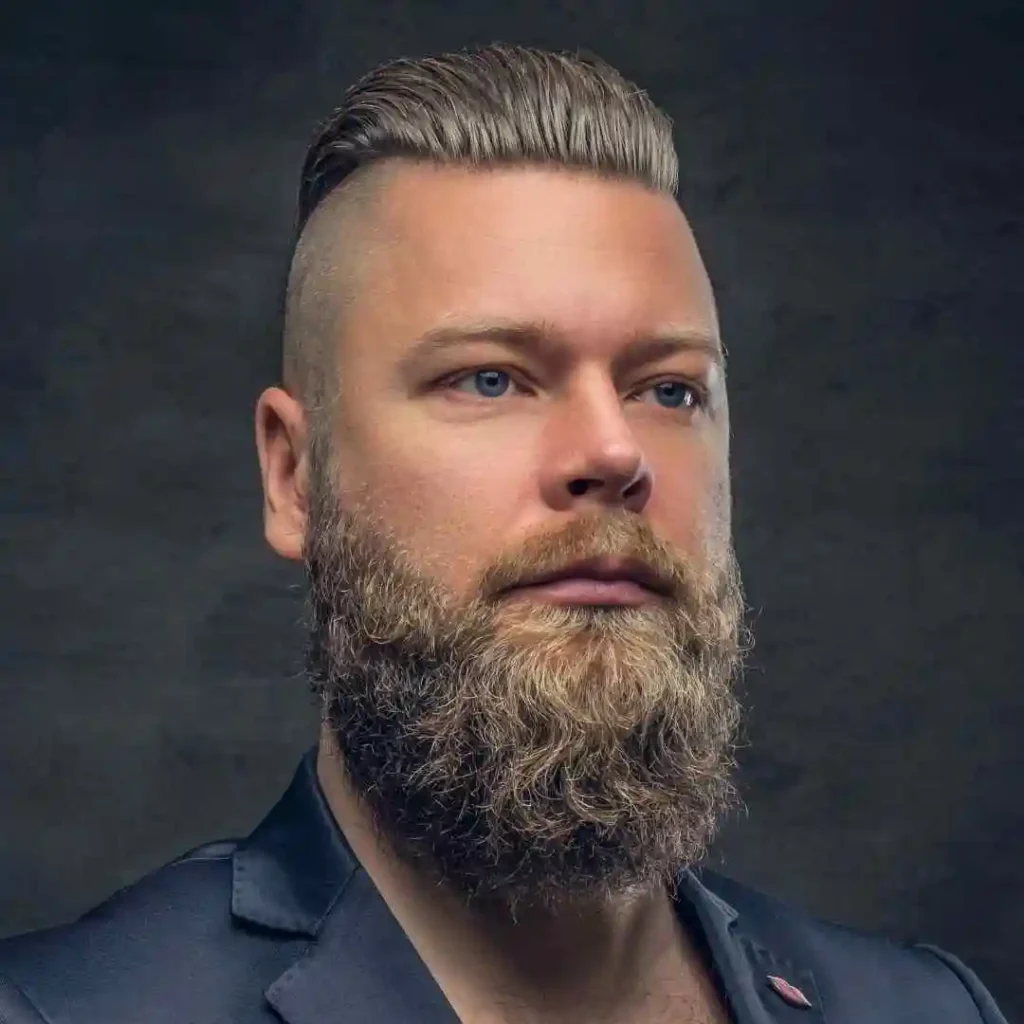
(530, 376)
(465, 467)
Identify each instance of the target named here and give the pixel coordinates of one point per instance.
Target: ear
(281, 441)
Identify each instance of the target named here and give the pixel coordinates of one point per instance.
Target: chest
(665, 1011)
(690, 997)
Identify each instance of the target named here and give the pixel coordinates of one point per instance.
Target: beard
(532, 753)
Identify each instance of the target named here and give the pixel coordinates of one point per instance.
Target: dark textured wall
(853, 172)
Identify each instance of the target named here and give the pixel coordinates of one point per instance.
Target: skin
(463, 476)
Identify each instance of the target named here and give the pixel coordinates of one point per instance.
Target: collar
(295, 874)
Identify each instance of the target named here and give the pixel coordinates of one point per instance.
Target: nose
(619, 478)
(596, 457)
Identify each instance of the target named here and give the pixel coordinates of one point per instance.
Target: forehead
(600, 261)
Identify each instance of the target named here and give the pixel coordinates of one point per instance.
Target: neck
(602, 948)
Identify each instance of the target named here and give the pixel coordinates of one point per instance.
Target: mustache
(594, 541)
(605, 546)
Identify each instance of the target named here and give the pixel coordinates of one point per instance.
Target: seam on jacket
(8, 988)
(219, 849)
(334, 900)
(955, 968)
(201, 859)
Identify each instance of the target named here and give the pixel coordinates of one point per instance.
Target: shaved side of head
(322, 284)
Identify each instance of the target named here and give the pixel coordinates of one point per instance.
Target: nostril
(580, 486)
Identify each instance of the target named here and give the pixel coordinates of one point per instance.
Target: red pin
(790, 993)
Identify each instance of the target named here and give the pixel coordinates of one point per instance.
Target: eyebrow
(543, 340)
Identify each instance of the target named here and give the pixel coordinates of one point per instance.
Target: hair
(493, 106)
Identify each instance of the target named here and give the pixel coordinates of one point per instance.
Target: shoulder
(168, 937)
(856, 974)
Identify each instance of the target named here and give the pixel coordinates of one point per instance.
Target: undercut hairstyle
(493, 106)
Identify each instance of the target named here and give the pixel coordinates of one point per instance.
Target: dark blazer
(285, 925)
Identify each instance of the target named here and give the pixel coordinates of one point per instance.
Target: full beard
(531, 753)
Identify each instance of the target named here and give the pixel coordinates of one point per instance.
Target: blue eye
(678, 394)
(492, 383)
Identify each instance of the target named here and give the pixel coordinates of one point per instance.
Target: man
(501, 451)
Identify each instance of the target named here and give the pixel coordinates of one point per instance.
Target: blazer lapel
(297, 876)
(361, 970)
(747, 965)
(781, 983)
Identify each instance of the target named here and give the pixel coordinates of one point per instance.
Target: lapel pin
(790, 993)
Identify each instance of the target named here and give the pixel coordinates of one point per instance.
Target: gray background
(853, 172)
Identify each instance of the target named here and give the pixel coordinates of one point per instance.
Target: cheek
(689, 505)
(451, 505)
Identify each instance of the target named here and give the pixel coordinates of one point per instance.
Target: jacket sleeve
(988, 1012)
(15, 1007)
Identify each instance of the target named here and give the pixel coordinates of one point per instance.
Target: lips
(579, 590)
(606, 570)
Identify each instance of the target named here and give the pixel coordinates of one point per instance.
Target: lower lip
(579, 590)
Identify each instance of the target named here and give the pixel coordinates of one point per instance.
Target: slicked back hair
(493, 106)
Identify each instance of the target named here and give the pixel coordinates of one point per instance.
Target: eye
(488, 383)
(493, 382)
(678, 394)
